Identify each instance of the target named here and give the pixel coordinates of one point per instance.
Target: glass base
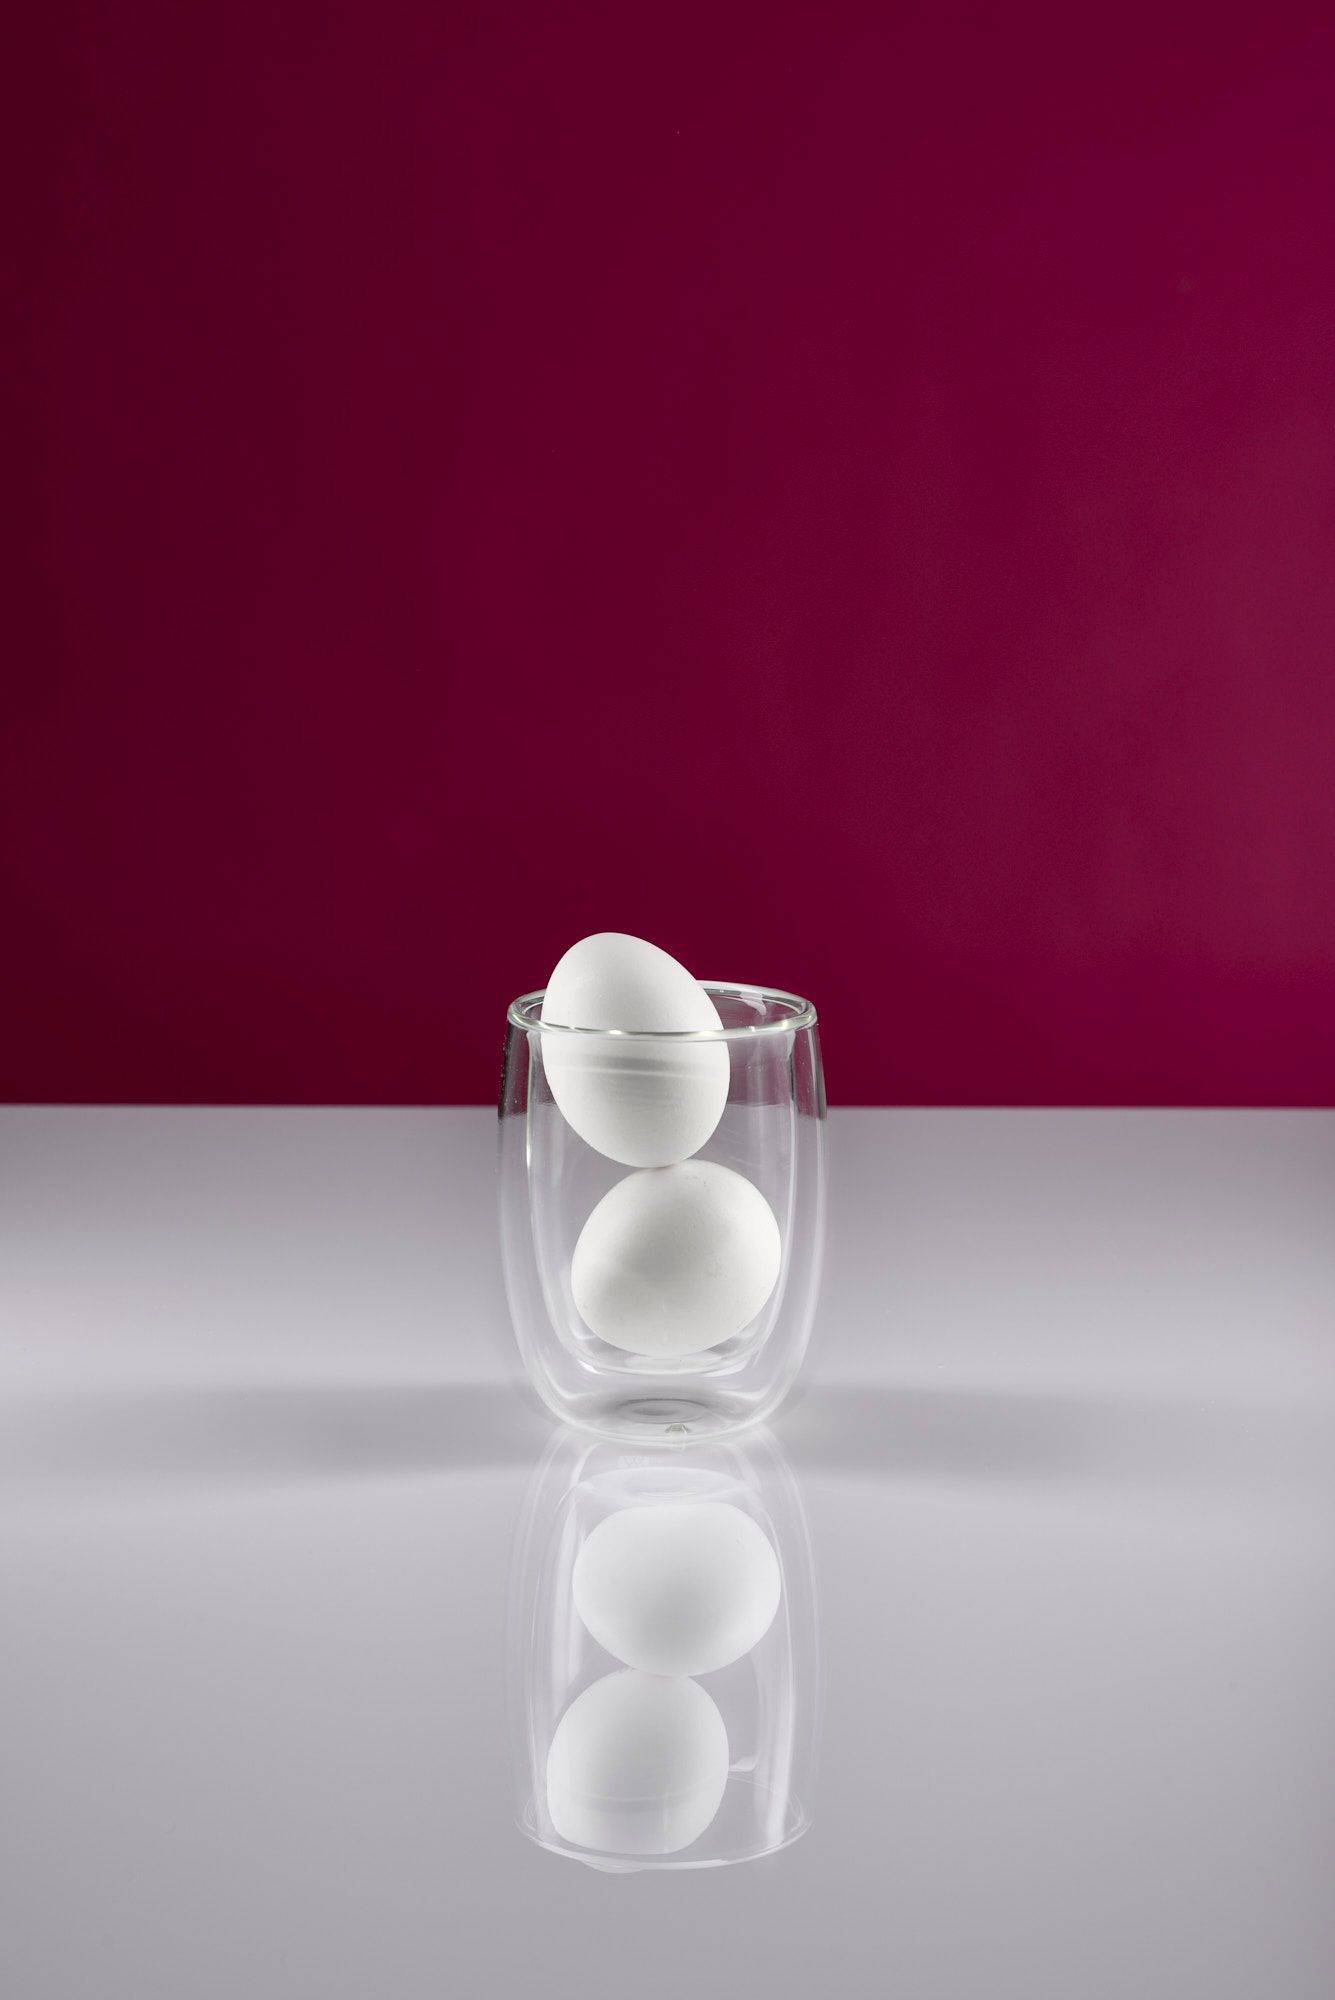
(662, 1419)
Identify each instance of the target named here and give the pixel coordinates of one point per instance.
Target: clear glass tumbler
(674, 1249)
(664, 1660)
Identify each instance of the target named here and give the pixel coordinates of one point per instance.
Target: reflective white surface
(1066, 1442)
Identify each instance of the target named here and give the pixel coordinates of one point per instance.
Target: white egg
(677, 1587)
(638, 1765)
(675, 1259)
(646, 1104)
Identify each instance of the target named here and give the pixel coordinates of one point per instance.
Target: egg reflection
(664, 1654)
(677, 1587)
(637, 1765)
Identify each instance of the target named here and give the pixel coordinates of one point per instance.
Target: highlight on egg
(642, 1103)
(677, 1587)
(637, 1765)
(674, 1260)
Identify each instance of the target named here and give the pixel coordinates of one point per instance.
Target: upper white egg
(645, 1103)
(677, 1587)
(676, 1259)
(637, 1765)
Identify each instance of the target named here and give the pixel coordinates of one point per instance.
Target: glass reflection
(664, 1653)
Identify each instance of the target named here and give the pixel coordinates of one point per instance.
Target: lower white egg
(677, 1587)
(637, 1765)
(676, 1259)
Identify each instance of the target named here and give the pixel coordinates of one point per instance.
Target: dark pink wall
(845, 491)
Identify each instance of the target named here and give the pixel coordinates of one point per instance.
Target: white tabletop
(1066, 1441)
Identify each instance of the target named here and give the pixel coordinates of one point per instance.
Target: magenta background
(845, 492)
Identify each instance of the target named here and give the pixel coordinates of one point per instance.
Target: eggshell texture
(677, 1587)
(647, 1104)
(675, 1259)
(637, 1765)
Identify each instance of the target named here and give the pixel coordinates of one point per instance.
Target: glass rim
(523, 1013)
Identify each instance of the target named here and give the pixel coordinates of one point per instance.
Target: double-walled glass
(624, 1768)
(770, 1134)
